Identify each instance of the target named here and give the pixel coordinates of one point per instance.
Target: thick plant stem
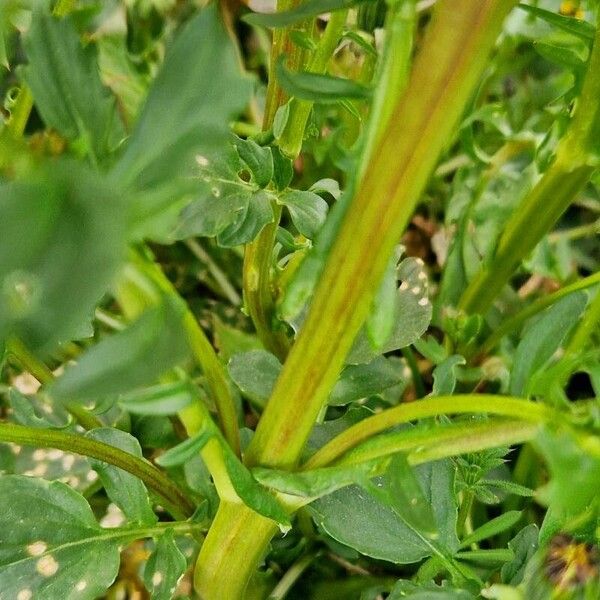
(173, 499)
(575, 162)
(453, 56)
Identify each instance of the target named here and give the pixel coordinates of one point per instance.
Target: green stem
(292, 575)
(430, 407)
(258, 295)
(142, 284)
(171, 496)
(452, 58)
(28, 361)
(575, 162)
(411, 361)
(513, 323)
(290, 141)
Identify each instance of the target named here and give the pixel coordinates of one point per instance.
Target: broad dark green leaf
(51, 546)
(65, 241)
(66, 86)
(130, 358)
(414, 314)
(127, 491)
(543, 338)
(255, 373)
(362, 381)
(258, 159)
(578, 27)
(198, 90)
(307, 210)
(164, 568)
(249, 223)
(427, 591)
(310, 8)
(316, 87)
(354, 517)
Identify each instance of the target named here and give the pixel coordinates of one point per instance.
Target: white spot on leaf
(81, 585)
(47, 566)
(157, 578)
(37, 548)
(423, 302)
(25, 594)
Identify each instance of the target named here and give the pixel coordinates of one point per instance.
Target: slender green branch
(292, 136)
(576, 160)
(28, 361)
(513, 323)
(291, 576)
(430, 407)
(453, 55)
(171, 496)
(142, 283)
(258, 294)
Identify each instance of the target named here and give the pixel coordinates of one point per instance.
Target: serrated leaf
(362, 381)
(127, 491)
(414, 314)
(541, 339)
(311, 8)
(257, 158)
(316, 87)
(174, 128)
(163, 399)
(354, 517)
(65, 241)
(164, 568)
(248, 224)
(255, 373)
(64, 79)
(128, 359)
(307, 210)
(56, 552)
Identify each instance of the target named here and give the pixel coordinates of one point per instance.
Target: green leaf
(196, 93)
(563, 56)
(403, 493)
(381, 320)
(128, 359)
(356, 518)
(541, 340)
(414, 314)
(581, 29)
(65, 82)
(307, 210)
(258, 159)
(283, 169)
(574, 464)
(497, 525)
(255, 373)
(524, 546)
(444, 375)
(127, 491)
(427, 591)
(249, 223)
(317, 87)
(36, 412)
(162, 399)
(164, 568)
(362, 381)
(65, 241)
(51, 546)
(310, 8)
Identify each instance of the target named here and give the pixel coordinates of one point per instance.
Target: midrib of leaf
(119, 533)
